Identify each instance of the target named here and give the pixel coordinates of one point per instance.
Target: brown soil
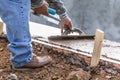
(63, 67)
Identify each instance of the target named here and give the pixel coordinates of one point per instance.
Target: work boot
(36, 62)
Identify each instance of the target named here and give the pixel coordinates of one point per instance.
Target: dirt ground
(63, 67)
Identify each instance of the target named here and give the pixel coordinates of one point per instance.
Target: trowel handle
(51, 11)
(68, 31)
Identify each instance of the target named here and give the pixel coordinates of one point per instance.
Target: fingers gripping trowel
(68, 34)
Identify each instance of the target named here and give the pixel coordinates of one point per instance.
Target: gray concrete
(92, 14)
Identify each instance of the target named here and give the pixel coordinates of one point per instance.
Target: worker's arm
(65, 22)
(41, 7)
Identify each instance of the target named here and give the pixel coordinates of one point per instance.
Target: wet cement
(109, 49)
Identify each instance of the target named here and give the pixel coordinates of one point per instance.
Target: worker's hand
(42, 9)
(65, 24)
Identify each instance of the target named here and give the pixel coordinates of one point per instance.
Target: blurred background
(90, 15)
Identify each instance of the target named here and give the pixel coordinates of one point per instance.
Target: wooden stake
(99, 37)
(1, 28)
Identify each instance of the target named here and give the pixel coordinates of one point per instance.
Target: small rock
(1, 70)
(1, 49)
(39, 53)
(79, 75)
(13, 77)
(96, 79)
(110, 70)
(60, 78)
(102, 73)
(55, 78)
(38, 48)
(108, 76)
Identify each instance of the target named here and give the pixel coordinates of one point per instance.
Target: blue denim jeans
(15, 13)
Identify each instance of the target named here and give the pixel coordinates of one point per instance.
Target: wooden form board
(1, 28)
(97, 48)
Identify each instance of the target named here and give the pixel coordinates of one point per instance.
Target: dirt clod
(112, 71)
(79, 75)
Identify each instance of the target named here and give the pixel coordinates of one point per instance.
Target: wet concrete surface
(110, 49)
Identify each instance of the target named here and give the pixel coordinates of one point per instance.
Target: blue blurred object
(51, 11)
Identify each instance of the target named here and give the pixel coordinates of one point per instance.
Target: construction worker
(15, 13)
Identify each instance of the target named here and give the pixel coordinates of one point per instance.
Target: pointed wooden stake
(99, 37)
(1, 28)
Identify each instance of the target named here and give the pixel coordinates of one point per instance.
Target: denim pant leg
(15, 13)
